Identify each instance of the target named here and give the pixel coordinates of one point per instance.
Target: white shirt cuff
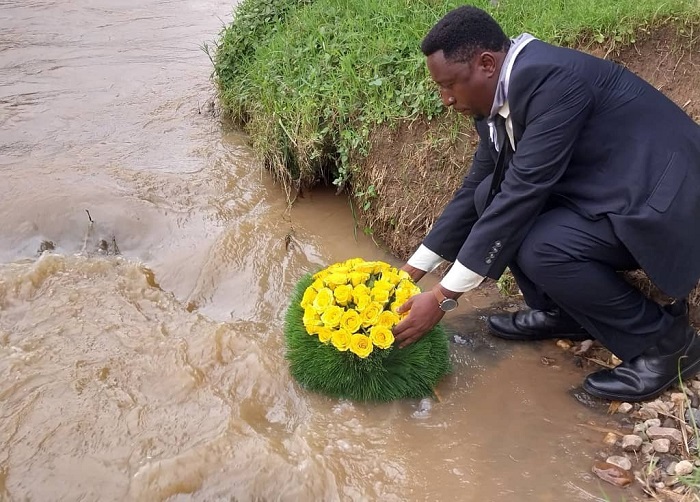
(424, 259)
(460, 279)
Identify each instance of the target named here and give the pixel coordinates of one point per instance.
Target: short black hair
(464, 31)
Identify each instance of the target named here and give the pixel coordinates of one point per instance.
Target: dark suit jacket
(594, 137)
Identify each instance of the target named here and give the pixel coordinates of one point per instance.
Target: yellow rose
(382, 284)
(371, 313)
(381, 337)
(360, 290)
(324, 334)
(380, 266)
(311, 318)
(387, 319)
(334, 280)
(352, 262)
(401, 296)
(308, 297)
(380, 295)
(343, 294)
(365, 267)
(351, 321)
(332, 316)
(405, 275)
(390, 276)
(320, 275)
(360, 345)
(324, 299)
(317, 284)
(357, 278)
(361, 302)
(341, 339)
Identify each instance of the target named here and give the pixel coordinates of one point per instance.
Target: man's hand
(424, 314)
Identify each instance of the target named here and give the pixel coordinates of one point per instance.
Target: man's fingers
(405, 306)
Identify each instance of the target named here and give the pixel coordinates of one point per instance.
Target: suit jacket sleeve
(452, 227)
(553, 105)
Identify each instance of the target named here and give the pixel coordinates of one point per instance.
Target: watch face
(448, 304)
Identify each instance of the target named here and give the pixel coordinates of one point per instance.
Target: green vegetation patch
(311, 79)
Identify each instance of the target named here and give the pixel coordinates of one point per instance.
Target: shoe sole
(574, 337)
(686, 373)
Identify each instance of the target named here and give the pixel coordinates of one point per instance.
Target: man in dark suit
(583, 170)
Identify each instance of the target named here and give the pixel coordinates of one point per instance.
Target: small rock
(647, 448)
(660, 485)
(612, 474)
(671, 469)
(665, 433)
(564, 344)
(684, 467)
(624, 408)
(695, 401)
(583, 347)
(610, 439)
(661, 445)
(678, 397)
(669, 423)
(695, 384)
(640, 428)
(621, 462)
(631, 442)
(652, 422)
(645, 412)
(695, 415)
(670, 481)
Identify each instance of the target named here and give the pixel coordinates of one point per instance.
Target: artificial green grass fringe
(386, 375)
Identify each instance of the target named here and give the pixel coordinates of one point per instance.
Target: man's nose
(447, 100)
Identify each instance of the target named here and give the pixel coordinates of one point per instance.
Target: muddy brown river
(159, 373)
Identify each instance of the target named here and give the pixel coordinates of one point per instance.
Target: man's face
(467, 87)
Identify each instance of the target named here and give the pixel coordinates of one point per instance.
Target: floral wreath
(339, 337)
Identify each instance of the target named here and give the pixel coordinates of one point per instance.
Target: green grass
(386, 375)
(311, 79)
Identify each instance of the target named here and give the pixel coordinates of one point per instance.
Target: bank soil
(414, 170)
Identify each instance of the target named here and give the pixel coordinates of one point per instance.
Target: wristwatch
(445, 304)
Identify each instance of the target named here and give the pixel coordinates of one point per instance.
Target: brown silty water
(159, 373)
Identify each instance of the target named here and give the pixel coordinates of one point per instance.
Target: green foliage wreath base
(411, 372)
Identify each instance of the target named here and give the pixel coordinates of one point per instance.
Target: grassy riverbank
(311, 80)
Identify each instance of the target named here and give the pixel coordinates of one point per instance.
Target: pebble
(661, 445)
(665, 433)
(621, 462)
(612, 474)
(652, 422)
(631, 442)
(678, 397)
(646, 412)
(624, 408)
(669, 422)
(695, 414)
(610, 439)
(695, 384)
(647, 448)
(671, 469)
(564, 344)
(684, 467)
(640, 428)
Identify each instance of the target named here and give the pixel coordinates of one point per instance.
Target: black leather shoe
(536, 325)
(649, 374)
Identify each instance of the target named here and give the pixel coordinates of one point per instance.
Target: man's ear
(487, 63)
